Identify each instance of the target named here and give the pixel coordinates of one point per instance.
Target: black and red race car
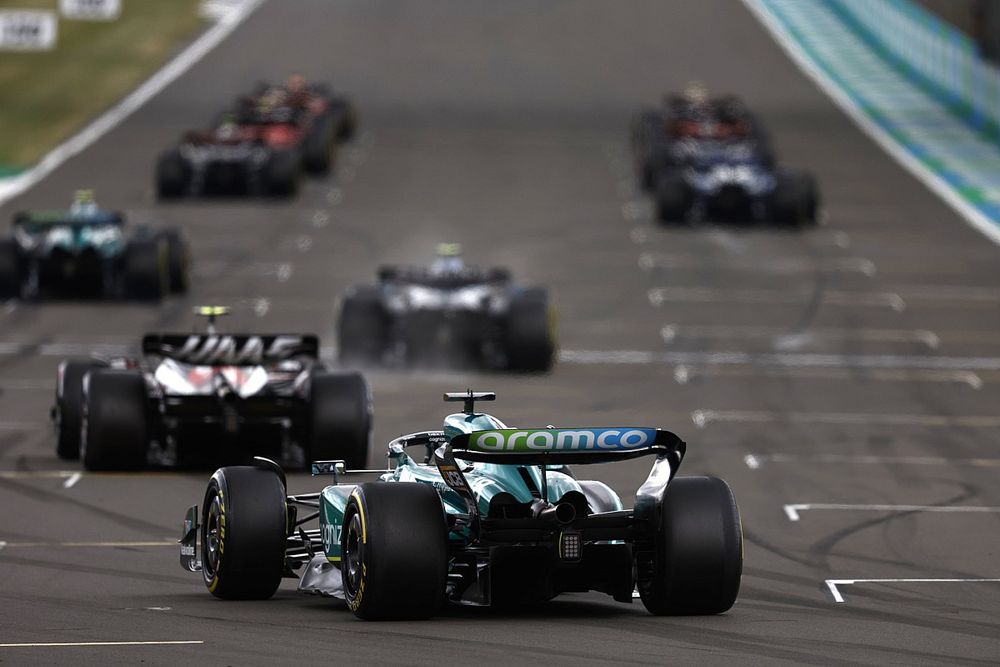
(261, 146)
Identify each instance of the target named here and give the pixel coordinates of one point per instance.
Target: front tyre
(697, 558)
(394, 547)
(243, 533)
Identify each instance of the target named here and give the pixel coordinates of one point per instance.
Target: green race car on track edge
(490, 515)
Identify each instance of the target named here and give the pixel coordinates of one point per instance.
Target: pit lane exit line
(834, 584)
(793, 511)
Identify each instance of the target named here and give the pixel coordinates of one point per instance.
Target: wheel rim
(352, 556)
(212, 556)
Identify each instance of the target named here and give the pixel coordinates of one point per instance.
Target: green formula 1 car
(489, 515)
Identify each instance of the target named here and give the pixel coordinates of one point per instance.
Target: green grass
(47, 96)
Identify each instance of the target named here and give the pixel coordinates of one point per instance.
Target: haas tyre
(528, 337)
(339, 419)
(69, 406)
(115, 427)
(243, 532)
(394, 547)
(697, 557)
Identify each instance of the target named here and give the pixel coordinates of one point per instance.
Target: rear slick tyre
(115, 432)
(394, 551)
(697, 558)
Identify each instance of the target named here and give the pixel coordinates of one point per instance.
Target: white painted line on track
(834, 584)
(319, 219)
(22, 426)
(89, 644)
(660, 295)
(780, 266)
(684, 374)
(880, 136)
(194, 52)
(755, 461)
(703, 418)
(36, 474)
(27, 385)
(782, 360)
(792, 511)
(639, 235)
(72, 480)
(784, 340)
(90, 545)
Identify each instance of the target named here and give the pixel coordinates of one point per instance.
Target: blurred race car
(711, 158)
(84, 251)
(258, 155)
(332, 118)
(209, 399)
(262, 145)
(447, 315)
(478, 514)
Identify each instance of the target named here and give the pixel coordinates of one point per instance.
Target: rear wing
(555, 446)
(564, 445)
(236, 350)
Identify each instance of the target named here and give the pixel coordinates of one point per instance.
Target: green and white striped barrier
(910, 81)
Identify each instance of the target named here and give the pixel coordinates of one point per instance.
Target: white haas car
(202, 400)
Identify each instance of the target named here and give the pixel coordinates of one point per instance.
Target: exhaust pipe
(562, 513)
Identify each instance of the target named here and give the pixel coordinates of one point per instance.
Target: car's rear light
(570, 546)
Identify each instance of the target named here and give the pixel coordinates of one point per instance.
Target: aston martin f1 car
(449, 314)
(203, 400)
(711, 158)
(85, 251)
(477, 513)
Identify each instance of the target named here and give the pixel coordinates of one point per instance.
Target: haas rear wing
(218, 349)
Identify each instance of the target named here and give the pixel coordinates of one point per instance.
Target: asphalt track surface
(503, 126)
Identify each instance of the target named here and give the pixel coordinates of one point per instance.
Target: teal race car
(476, 513)
(86, 251)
